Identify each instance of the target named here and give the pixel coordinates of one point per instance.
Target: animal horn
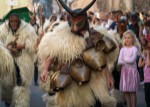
(60, 8)
(30, 15)
(66, 7)
(86, 8)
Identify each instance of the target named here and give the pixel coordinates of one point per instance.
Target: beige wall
(4, 8)
(82, 3)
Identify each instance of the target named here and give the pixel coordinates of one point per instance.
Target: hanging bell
(62, 81)
(94, 58)
(80, 72)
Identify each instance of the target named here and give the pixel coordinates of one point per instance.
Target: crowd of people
(134, 44)
(134, 30)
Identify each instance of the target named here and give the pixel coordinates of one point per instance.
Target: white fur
(50, 100)
(21, 97)
(61, 44)
(7, 77)
(25, 61)
(26, 36)
(112, 56)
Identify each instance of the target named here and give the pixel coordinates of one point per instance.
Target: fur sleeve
(30, 39)
(3, 29)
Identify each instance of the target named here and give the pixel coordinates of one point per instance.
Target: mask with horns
(78, 17)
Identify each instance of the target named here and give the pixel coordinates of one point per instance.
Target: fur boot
(21, 97)
(7, 77)
(50, 100)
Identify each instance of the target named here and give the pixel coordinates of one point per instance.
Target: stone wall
(139, 5)
(142, 5)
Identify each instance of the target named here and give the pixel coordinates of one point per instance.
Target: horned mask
(78, 17)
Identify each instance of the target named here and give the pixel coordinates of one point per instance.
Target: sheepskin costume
(25, 60)
(60, 43)
(7, 77)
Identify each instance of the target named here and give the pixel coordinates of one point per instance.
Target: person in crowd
(133, 24)
(122, 25)
(104, 17)
(91, 19)
(148, 16)
(19, 38)
(144, 61)
(129, 80)
(113, 18)
(144, 32)
(98, 21)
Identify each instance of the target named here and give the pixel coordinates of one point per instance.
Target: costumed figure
(19, 38)
(75, 63)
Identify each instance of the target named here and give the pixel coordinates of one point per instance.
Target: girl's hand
(44, 75)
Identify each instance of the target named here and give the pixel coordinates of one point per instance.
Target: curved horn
(66, 7)
(86, 8)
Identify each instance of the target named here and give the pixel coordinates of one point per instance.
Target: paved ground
(36, 98)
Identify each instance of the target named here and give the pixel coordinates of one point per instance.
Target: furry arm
(30, 40)
(2, 36)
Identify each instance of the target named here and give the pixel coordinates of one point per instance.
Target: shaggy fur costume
(66, 46)
(25, 61)
(116, 38)
(7, 70)
(21, 97)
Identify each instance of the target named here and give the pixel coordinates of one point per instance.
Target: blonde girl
(129, 80)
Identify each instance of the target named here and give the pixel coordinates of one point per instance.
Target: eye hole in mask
(79, 24)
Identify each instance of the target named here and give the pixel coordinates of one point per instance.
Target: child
(129, 80)
(145, 61)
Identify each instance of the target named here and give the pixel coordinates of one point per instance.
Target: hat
(14, 14)
(123, 19)
(134, 17)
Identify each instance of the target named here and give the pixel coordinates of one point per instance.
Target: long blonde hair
(135, 40)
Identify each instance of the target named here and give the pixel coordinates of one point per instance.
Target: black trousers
(98, 104)
(35, 73)
(18, 76)
(141, 73)
(147, 93)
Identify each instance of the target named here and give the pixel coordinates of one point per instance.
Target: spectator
(129, 80)
(133, 25)
(144, 61)
(113, 18)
